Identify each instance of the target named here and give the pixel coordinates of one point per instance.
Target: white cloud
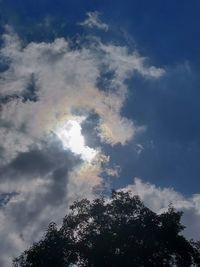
(62, 79)
(65, 79)
(93, 21)
(139, 148)
(158, 199)
(125, 63)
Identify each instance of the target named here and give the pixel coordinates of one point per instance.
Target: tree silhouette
(116, 232)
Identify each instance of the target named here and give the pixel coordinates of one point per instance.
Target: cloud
(93, 21)
(158, 199)
(45, 181)
(44, 86)
(64, 79)
(40, 178)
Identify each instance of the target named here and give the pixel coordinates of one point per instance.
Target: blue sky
(168, 34)
(127, 74)
(166, 31)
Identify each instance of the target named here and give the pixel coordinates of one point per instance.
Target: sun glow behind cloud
(43, 85)
(72, 138)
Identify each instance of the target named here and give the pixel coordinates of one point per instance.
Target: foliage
(116, 232)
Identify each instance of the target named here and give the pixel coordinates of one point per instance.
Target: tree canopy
(115, 232)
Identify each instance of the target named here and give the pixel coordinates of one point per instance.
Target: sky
(94, 96)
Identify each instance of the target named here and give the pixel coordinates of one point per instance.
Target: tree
(54, 250)
(116, 232)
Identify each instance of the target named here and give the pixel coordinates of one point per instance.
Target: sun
(72, 139)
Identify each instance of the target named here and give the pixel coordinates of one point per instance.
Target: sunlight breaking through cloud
(72, 139)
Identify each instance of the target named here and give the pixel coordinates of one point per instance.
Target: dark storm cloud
(40, 177)
(33, 162)
(53, 195)
(47, 159)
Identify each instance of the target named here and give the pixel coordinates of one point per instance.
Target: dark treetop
(114, 232)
